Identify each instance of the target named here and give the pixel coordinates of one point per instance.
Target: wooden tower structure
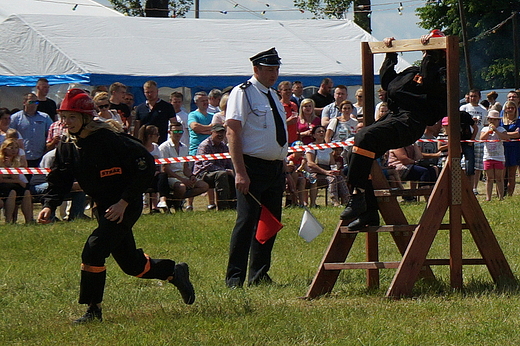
(451, 194)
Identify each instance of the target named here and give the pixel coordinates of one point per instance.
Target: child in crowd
(14, 187)
(494, 157)
(296, 166)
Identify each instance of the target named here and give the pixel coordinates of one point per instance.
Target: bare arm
(328, 135)
(325, 121)
(200, 129)
(400, 154)
(315, 167)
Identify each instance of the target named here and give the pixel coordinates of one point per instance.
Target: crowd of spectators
(28, 137)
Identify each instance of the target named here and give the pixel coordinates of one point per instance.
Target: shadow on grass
(473, 287)
(431, 288)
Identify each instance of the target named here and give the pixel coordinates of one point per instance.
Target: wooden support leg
(393, 215)
(484, 238)
(372, 251)
(422, 239)
(337, 251)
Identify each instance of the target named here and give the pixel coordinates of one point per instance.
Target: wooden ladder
(452, 192)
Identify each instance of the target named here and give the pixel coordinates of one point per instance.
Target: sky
(386, 18)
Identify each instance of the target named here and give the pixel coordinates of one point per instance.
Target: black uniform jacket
(108, 166)
(421, 91)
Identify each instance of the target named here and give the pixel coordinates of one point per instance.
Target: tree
(135, 8)
(490, 35)
(338, 9)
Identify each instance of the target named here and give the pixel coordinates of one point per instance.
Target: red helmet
(437, 33)
(77, 100)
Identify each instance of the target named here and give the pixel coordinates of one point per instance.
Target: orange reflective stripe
(92, 269)
(363, 152)
(146, 266)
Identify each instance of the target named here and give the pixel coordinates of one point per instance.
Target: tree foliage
(325, 8)
(490, 34)
(338, 9)
(135, 8)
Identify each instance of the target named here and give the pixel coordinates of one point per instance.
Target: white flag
(310, 227)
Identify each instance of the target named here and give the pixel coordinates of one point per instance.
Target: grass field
(39, 276)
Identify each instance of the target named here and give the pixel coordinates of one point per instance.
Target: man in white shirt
(180, 179)
(479, 114)
(176, 99)
(257, 138)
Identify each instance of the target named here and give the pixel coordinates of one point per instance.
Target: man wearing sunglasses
(178, 178)
(33, 126)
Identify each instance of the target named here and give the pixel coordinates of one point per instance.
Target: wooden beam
(367, 80)
(372, 265)
(361, 265)
(408, 45)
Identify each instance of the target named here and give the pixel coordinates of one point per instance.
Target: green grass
(39, 276)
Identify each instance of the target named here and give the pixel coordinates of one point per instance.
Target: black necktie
(281, 137)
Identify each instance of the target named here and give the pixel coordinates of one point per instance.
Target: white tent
(196, 53)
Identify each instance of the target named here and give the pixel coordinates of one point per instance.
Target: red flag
(267, 227)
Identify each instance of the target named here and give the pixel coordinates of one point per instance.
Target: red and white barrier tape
(209, 157)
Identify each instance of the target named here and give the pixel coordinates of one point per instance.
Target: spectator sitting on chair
(149, 135)
(407, 162)
(39, 187)
(179, 177)
(319, 161)
(218, 174)
(14, 186)
(296, 166)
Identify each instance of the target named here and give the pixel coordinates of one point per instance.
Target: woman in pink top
(307, 120)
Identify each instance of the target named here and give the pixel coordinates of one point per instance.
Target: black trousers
(267, 185)
(116, 239)
(394, 131)
(224, 185)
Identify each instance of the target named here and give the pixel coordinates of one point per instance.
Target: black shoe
(355, 206)
(234, 283)
(92, 314)
(181, 280)
(368, 218)
(262, 280)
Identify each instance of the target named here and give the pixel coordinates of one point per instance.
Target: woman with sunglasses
(359, 103)
(102, 102)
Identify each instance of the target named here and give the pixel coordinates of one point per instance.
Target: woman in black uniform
(114, 169)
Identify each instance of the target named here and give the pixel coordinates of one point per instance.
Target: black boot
(93, 314)
(368, 218)
(181, 280)
(355, 206)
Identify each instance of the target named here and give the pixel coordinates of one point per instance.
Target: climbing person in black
(416, 98)
(114, 170)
